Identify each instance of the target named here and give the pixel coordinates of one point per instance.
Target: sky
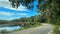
(9, 13)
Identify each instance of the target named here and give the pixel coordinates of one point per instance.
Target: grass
(35, 25)
(4, 32)
(56, 30)
(30, 26)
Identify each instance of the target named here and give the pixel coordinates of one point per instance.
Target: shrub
(4, 31)
(56, 30)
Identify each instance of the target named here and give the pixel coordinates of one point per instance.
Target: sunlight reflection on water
(10, 28)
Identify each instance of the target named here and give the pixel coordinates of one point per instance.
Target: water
(10, 28)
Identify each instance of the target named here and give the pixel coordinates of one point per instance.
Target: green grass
(56, 29)
(4, 32)
(30, 26)
(35, 25)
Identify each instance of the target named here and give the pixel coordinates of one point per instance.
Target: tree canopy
(27, 3)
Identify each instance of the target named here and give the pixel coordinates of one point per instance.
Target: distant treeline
(4, 21)
(22, 21)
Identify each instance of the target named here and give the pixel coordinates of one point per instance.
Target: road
(45, 29)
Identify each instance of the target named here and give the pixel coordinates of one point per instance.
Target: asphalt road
(45, 29)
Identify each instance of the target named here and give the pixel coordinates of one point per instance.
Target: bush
(4, 31)
(56, 30)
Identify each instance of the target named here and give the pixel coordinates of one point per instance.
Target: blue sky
(9, 13)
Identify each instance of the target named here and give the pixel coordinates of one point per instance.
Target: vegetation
(4, 32)
(56, 29)
(50, 12)
(16, 3)
(3, 21)
(25, 21)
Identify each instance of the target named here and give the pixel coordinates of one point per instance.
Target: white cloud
(6, 13)
(20, 8)
(12, 14)
(3, 0)
(21, 14)
(6, 4)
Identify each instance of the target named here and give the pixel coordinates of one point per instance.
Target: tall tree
(51, 10)
(27, 3)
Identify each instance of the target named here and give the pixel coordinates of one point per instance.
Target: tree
(3, 21)
(51, 10)
(27, 3)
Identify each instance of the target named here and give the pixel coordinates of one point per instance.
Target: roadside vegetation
(56, 29)
(4, 32)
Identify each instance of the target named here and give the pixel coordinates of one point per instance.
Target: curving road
(45, 29)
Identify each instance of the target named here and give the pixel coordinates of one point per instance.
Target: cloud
(12, 14)
(20, 8)
(6, 13)
(3, 0)
(6, 4)
(22, 14)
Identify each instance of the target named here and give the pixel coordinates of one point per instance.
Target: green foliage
(23, 19)
(4, 32)
(16, 3)
(32, 25)
(3, 21)
(56, 30)
(50, 11)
